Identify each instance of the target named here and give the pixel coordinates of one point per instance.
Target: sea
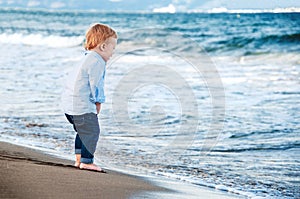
(210, 99)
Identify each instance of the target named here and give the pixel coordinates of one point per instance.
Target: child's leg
(88, 129)
(86, 156)
(78, 142)
(87, 159)
(78, 149)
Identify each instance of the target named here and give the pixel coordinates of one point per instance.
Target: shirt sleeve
(96, 75)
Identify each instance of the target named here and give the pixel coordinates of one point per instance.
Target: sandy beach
(29, 173)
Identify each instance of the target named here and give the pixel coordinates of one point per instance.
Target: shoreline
(31, 173)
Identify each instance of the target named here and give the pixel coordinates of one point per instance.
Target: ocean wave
(241, 135)
(284, 146)
(194, 40)
(41, 40)
(253, 46)
(248, 34)
(287, 38)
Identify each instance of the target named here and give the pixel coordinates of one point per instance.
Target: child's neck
(99, 52)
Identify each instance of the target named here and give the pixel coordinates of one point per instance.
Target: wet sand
(28, 173)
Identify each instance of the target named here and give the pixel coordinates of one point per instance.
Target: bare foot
(91, 167)
(77, 164)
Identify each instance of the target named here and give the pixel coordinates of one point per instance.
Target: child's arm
(96, 80)
(98, 107)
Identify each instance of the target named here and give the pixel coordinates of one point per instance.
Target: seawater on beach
(257, 59)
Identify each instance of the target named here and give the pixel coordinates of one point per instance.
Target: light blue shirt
(85, 85)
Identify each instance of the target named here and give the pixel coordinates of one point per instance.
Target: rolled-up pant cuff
(86, 160)
(77, 151)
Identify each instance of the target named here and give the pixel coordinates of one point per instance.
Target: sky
(150, 5)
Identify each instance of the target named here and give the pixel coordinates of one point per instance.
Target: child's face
(108, 48)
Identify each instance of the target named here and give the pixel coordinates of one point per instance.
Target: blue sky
(149, 5)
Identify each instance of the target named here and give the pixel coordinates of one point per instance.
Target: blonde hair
(98, 34)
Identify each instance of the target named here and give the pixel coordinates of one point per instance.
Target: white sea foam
(41, 40)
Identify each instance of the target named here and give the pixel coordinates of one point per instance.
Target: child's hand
(98, 107)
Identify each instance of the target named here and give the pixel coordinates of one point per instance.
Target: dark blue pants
(80, 148)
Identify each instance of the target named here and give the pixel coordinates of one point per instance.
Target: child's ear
(102, 47)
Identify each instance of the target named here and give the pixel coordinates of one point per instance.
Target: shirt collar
(96, 55)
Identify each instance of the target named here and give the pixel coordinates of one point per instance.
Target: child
(84, 93)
